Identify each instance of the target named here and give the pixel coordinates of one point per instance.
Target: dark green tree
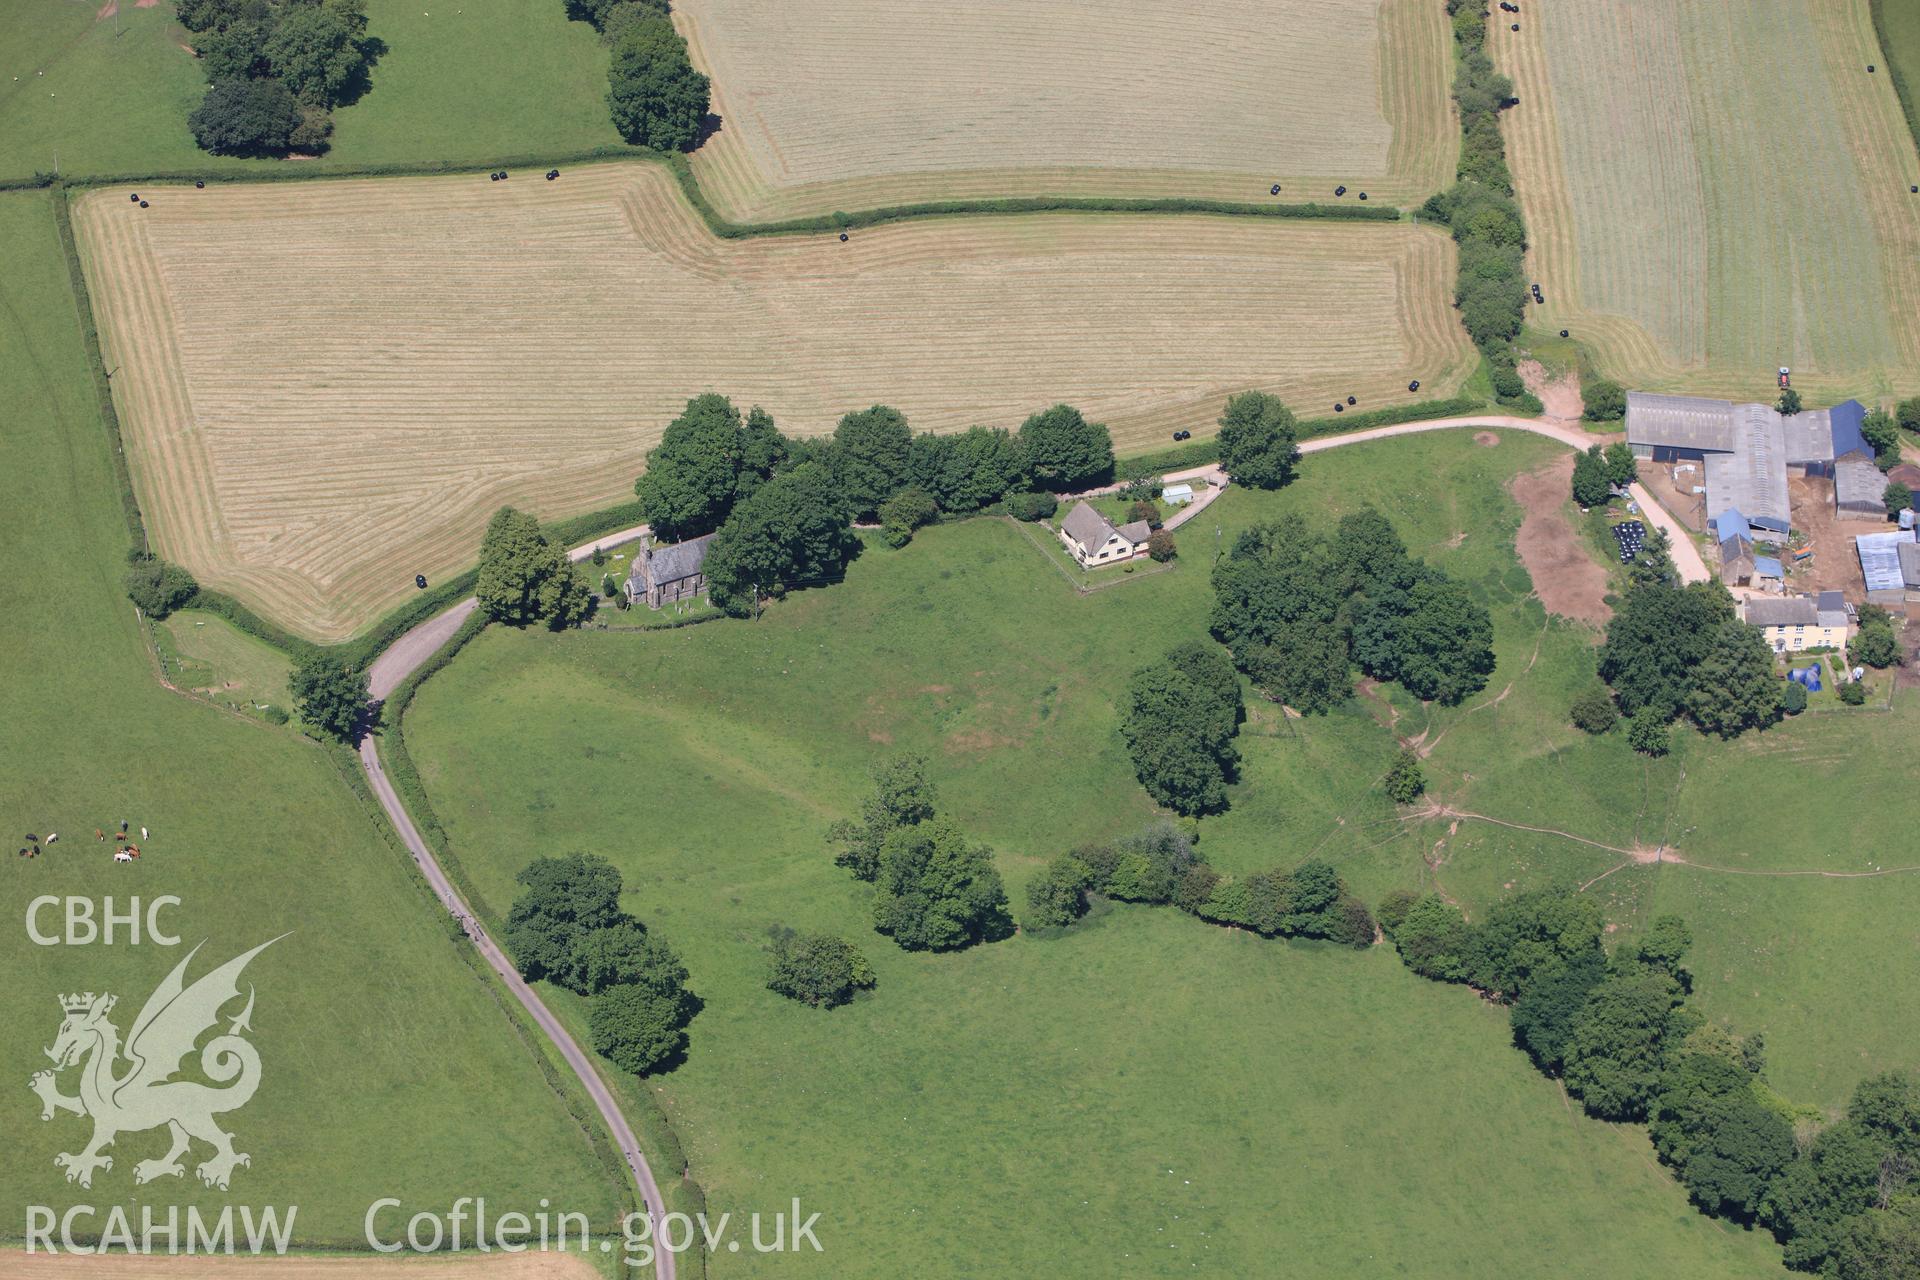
(1590, 478)
(1544, 1013)
(658, 99)
(562, 901)
(903, 796)
(636, 1029)
(524, 578)
(936, 891)
(1433, 639)
(1615, 1052)
(1593, 711)
(1808, 1204)
(1708, 1123)
(1622, 467)
(1406, 779)
(870, 457)
(1606, 400)
(1883, 1244)
(1874, 644)
(1058, 895)
(1434, 940)
(1734, 688)
(157, 586)
(817, 969)
(793, 531)
(693, 475)
(1657, 641)
(1064, 451)
(1530, 932)
(329, 696)
(1882, 434)
(318, 50)
(1179, 720)
(621, 952)
(1907, 414)
(1793, 698)
(1257, 441)
(245, 118)
(904, 512)
(1898, 497)
(1789, 402)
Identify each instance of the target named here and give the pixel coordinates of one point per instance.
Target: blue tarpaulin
(1806, 676)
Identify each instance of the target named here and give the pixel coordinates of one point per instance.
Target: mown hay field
(859, 103)
(1714, 189)
(329, 387)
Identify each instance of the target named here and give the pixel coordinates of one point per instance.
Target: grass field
(1716, 189)
(390, 1067)
(329, 387)
(858, 104)
(1017, 1109)
(206, 654)
(474, 81)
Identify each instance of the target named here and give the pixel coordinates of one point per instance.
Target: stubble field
(1715, 189)
(329, 387)
(854, 104)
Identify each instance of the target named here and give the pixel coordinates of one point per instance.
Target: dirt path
(1566, 577)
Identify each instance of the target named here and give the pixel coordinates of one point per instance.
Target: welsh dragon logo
(145, 1095)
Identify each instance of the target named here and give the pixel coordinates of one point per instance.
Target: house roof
(1086, 526)
(1832, 608)
(1737, 547)
(1136, 531)
(658, 565)
(1858, 482)
(1889, 561)
(1781, 611)
(1768, 567)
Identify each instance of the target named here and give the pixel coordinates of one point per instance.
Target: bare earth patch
(1559, 396)
(1485, 439)
(1566, 577)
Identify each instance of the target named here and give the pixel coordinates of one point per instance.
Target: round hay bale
(1414, 385)
(1351, 400)
(1275, 190)
(143, 204)
(1515, 27)
(1339, 191)
(199, 184)
(134, 197)
(1338, 407)
(1563, 333)
(843, 237)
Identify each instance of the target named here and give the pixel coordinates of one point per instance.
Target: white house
(1094, 541)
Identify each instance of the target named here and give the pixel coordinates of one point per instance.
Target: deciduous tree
(1257, 441)
(1064, 451)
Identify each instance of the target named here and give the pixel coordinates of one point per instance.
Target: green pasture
(1147, 1086)
(390, 1067)
(475, 80)
(204, 653)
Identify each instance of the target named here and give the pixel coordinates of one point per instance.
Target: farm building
(1769, 574)
(1736, 560)
(663, 575)
(1858, 487)
(1890, 562)
(1746, 450)
(1093, 540)
(1177, 495)
(1799, 622)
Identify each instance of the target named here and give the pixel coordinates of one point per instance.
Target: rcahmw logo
(147, 1094)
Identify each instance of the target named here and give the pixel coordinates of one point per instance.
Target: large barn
(1746, 450)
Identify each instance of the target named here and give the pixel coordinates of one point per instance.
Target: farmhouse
(1747, 450)
(1093, 540)
(663, 575)
(1890, 562)
(1800, 622)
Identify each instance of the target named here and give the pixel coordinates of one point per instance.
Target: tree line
(1491, 288)
(781, 508)
(656, 97)
(275, 71)
(1616, 1030)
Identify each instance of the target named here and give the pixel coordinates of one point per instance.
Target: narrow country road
(402, 659)
(405, 656)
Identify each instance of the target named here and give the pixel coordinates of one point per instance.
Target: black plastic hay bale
(1363, 195)
(1563, 333)
(1514, 27)
(199, 184)
(143, 204)
(1414, 385)
(1338, 407)
(1351, 400)
(1339, 191)
(843, 237)
(1275, 190)
(134, 197)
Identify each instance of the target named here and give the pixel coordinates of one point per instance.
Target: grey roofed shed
(1908, 555)
(1686, 423)
(1749, 483)
(1858, 486)
(1087, 527)
(1807, 436)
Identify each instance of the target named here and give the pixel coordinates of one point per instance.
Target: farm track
(431, 349)
(1692, 248)
(862, 104)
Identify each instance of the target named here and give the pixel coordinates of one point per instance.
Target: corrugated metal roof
(1745, 481)
(1680, 422)
(1846, 419)
(1768, 567)
(1807, 436)
(1881, 556)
